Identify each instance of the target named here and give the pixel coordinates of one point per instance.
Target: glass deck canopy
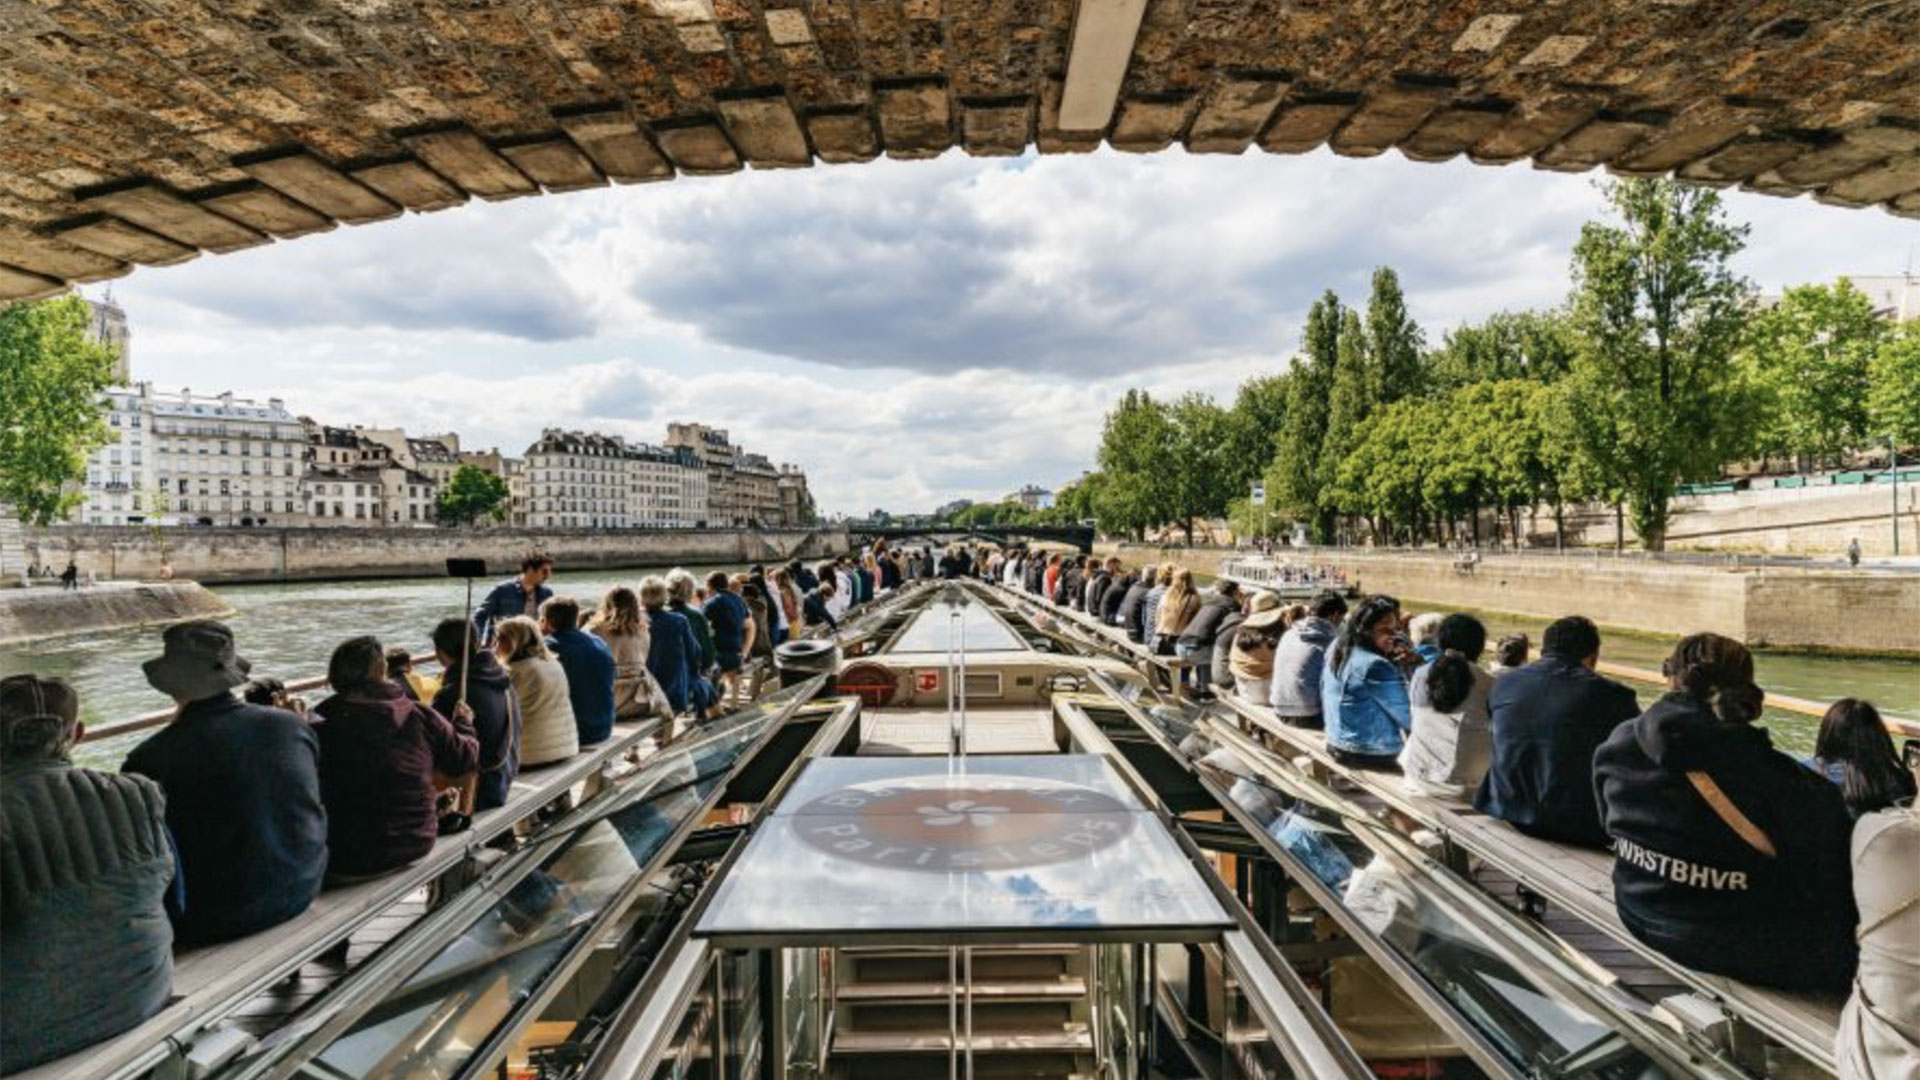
(936, 851)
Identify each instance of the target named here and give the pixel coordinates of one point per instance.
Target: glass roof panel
(1050, 848)
(933, 628)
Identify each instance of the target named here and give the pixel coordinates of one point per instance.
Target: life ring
(874, 684)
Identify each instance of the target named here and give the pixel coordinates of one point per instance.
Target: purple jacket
(378, 753)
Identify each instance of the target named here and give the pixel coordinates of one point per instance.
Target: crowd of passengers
(1730, 857)
(234, 816)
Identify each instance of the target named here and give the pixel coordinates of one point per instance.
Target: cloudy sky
(908, 332)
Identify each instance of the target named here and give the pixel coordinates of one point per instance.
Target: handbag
(1742, 826)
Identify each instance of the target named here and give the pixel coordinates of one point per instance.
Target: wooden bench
(1579, 880)
(211, 980)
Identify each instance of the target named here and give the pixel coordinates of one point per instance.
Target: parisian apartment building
(179, 458)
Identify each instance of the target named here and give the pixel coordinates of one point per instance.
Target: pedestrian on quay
(1853, 553)
(86, 950)
(521, 595)
(70, 577)
(242, 785)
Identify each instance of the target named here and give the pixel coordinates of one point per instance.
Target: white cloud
(908, 332)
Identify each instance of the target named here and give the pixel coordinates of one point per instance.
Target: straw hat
(1263, 611)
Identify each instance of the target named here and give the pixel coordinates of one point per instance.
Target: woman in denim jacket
(1363, 695)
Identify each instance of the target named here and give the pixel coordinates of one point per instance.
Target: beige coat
(635, 693)
(1879, 1033)
(547, 729)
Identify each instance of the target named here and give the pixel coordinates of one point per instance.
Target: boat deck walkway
(1020, 730)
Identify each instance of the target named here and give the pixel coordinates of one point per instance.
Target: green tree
(1808, 359)
(1254, 424)
(1136, 454)
(1893, 405)
(51, 375)
(1658, 311)
(1348, 407)
(1386, 477)
(472, 493)
(1394, 341)
(1293, 480)
(1536, 345)
(1198, 474)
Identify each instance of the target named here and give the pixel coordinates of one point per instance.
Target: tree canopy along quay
(144, 132)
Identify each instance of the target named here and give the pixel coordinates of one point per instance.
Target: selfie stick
(466, 655)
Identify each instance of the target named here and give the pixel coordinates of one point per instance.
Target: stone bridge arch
(146, 132)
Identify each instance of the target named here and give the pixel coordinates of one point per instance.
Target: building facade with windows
(352, 480)
(585, 480)
(187, 459)
(744, 490)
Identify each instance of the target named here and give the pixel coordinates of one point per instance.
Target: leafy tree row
(1659, 370)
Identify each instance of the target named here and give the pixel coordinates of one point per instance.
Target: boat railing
(209, 981)
(1577, 880)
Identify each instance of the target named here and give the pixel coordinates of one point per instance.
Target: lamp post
(1893, 470)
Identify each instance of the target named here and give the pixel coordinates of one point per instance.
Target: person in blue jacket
(589, 666)
(673, 653)
(1363, 695)
(522, 595)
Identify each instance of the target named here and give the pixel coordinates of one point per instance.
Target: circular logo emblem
(963, 823)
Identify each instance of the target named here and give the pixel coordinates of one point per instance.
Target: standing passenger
(1729, 857)
(243, 791)
(85, 948)
(522, 595)
(1548, 718)
(728, 619)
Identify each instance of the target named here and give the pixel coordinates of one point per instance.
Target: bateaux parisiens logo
(963, 823)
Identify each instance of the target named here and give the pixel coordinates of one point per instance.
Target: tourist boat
(969, 835)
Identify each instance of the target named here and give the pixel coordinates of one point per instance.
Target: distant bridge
(1080, 536)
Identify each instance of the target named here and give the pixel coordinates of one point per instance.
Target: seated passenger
(243, 791)
(548, 731)
(1300, 659)
(589, 667)
(1115, 594)
(674, 655)
(1548, 718)
(267, 690)
(1130, 615)
(1363, 696)
(1855, 752)
(412, 683)
(1424, 631)
(682, 601)
(1510, 652)
(85, 948)
(1729, 857)
(623, 626)
(491, 701)
(1879, 1033)
(1447, 753)
(727, 618)
(379, 750)
(1251, 655)
(1195, 644)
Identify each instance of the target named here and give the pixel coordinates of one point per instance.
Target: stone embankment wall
(27, 614)
(1801, 521)
(1800, 610)
(224, 556)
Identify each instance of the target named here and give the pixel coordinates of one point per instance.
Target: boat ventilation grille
(984, 684)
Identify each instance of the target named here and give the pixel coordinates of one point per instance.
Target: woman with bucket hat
(243, 790)
(1253, 643)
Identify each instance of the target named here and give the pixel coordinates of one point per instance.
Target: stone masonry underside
(148, 131)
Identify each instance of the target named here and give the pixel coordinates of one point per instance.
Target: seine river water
(288, 630)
